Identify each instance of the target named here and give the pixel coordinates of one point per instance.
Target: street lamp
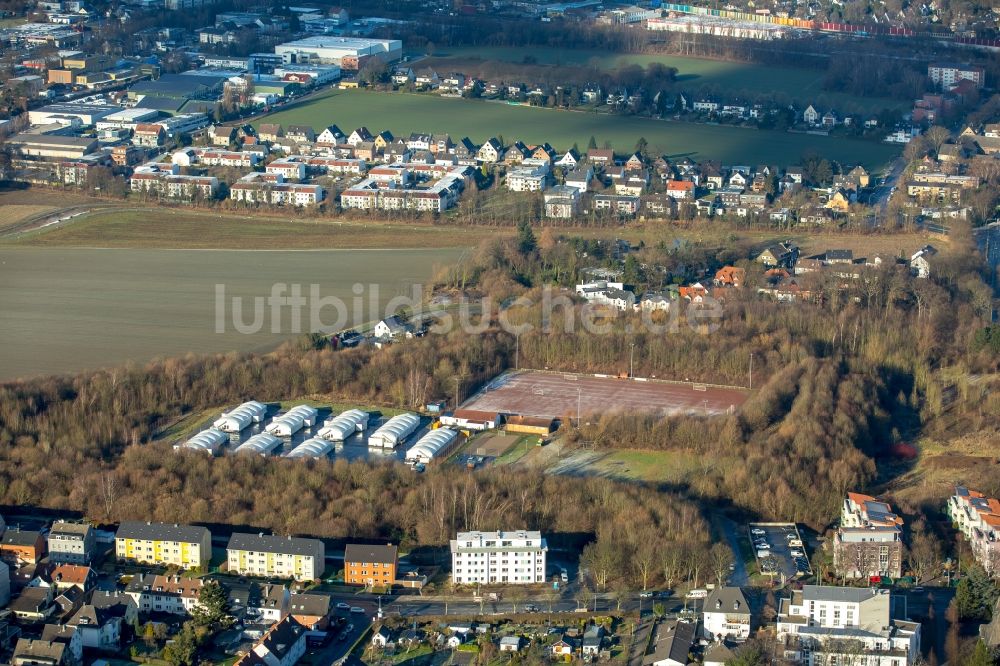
(631, 357)
(751, 371)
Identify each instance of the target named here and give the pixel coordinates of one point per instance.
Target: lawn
(403, 113)
(743, 80)
(179, 228)
(70, 309)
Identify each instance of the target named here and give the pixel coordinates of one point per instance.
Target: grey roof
(39, 651)
(727, 600)
(672, 643)
(355, 552)
(160, 103)
(834, 593)
(309, 603)
(178, 85)
(135, 529)
(31, 600)
(18, 537)
(270, 543)
(76, 529)
(62, 633)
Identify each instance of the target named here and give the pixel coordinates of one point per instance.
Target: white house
(920, 261)
(811, 116)
(726, 614)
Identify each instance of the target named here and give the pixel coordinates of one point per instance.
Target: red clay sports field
(556, 394)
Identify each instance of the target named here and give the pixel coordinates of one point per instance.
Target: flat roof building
(333, 50)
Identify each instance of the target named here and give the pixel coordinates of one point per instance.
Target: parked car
(697, 594)
(343, 606)
(646, 594)
(357, 609)
(757, 530)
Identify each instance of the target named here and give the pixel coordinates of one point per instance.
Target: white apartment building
(602, 292)
(528, 177)
(292, 167)
(498, 557)
(380, 192)
(173, 186)
(226, 158)
(336, 165)
(71, 543)
(275, 556)
(271, 189)
(826, 626)
(947, 74)
(978, 518)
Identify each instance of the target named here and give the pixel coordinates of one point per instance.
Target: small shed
(530, 425)
(510, 644)
(473, 419)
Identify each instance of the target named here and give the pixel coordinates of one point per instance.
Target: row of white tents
(337, 428)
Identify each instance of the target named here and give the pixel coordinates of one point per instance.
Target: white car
(797, 553)
(763, 546)
(343, 606)
(757, 530)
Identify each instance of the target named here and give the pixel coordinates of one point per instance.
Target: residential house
(100, 622)
(730, 276)
(839, 201)
(284, 644)
(33, 604)
(680, 190)
(563, 648)
(330, 136)
(370, 565)
(259, 603)
(824, 624)
(569, 160)
(269, 556)
(611, 294)
(528, 178)
(634, 183)
(601, 156)
(490, 152)
(561, 201)
(580, 177)
(381, 637)
(978, 519)
(427, 79)
(811, 116)
(920, 261)
(65, 576)
(634, 163)
(671, 644)
(360, 135)
(19, 546)
(391, 327)
(869, 541)
(270, 132)
(300, 134)
(624, 205)
(402, 75)
(382, 140)
(311, 610)
(726, 614)
(31, 652)
(69, 637)
(781, 254)
(153, 593)
(593, 641)
(516, 153)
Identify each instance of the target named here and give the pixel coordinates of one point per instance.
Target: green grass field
(735, 79)
(404, 113)
(67, 310)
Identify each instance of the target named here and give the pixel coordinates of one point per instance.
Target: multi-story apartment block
(226, 158)
(946, 74)
(824, 625)
(869, 541)
(292, 167)
(516, 557)
(383, 191)
(978, 518)
(370, 565)
(184, 546)
(276, 556)
(174, 186)
(71, 543)
(529, 177)
(164, 594)
(271, 188)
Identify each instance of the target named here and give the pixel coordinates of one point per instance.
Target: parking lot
(779, 549)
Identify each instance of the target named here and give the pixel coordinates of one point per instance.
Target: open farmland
(556, 394)
(404, 113)
(67, 310)
(736, 79)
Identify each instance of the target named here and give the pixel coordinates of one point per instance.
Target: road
(740, 577)
(882, 193)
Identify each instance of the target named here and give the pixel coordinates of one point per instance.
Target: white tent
(261, 444)
(209, 441)
(430, 445)
(292, 421)
(241, 417)
(394, 431)
(340, 428)
(317, 447)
